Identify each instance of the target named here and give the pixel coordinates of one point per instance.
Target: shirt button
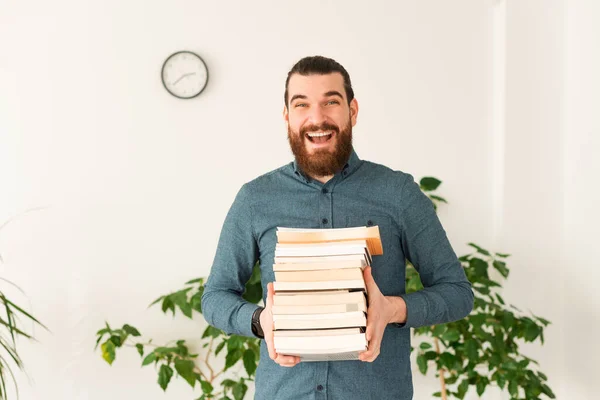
(320, 387)
(324, 221)
(369, 223)
(345, 173)
(324, 190)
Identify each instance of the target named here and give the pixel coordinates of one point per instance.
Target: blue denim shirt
(363, 193)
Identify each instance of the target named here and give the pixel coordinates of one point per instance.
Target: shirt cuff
(244, 319)
(416, 310)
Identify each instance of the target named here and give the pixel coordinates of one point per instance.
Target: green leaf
(206, 387)
(140, 349)
(239, 391)
(500, 299)
(479, 249)
(211, 331)
(501, 267)
(250, 362)
(463, 387)
(513, 388)
(422, 363)
(471, 349)
(479, 267)
(508, 319)
(439, 329)
(451, 335)
(429, 183)
(425, 346)
(164, 376)
(448, 360)
(150, 358)
(180, 300)
(235, 342)
(232, 358)
(219, 348)
(196, 300)
(185, 368)
(502, 255)
(481, 384)
(116, 340)
(228, 383)
(438, 198)
(108, 351)
(131, 330)
(168, 305)
(532, 332)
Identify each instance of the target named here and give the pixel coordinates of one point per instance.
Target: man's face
(319, 122)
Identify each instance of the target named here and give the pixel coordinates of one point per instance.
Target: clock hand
(183, 76)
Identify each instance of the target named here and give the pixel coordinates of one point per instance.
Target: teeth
(319, 134)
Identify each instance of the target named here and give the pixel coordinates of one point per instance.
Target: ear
(353, 111)
(286, 116)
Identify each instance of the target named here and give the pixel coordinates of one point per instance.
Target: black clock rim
(162, 79)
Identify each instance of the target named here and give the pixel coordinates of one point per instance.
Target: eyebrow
(327, 94)
(334, 93)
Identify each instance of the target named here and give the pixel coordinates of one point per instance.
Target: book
(312, 344)
(370, 234)
(320, 285)
(320, 259)
(321, 298)
(320, 321)
(319, 332)
(319, 275)
(319, 265)
(327, 355)
(328, 251)
(324, 249)
(320, 308)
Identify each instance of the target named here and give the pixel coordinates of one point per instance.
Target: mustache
(325, 126)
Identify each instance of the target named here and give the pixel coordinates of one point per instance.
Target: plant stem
(212, 372)
(441, 371)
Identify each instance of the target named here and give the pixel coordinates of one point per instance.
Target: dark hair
(319, 65)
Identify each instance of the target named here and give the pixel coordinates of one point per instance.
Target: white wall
(136, 183)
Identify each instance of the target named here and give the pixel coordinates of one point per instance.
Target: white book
(320, 285)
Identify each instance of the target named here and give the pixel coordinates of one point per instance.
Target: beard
(322, 162)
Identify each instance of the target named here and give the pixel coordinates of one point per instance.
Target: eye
(300, 105)
(333, 102)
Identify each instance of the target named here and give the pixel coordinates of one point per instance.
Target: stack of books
(320, 301)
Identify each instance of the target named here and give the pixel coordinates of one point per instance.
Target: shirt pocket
(383, 222)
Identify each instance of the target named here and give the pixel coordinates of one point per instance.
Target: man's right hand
(266, 323)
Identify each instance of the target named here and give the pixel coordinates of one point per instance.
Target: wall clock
(184, 74)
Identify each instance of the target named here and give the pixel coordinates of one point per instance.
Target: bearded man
(328, 186)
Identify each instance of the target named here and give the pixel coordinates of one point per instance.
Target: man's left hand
(382, 310)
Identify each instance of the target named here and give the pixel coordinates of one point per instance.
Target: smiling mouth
(319, 136)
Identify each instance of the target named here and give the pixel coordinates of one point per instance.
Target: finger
(372, 350)
(270, 293)
(268, 330)
(287, 361)
(369, 332)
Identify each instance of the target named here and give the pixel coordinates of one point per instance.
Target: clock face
(184, 74)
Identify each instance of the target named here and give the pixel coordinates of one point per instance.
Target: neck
(322, 179)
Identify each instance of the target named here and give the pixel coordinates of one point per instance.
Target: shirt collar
(351, 165)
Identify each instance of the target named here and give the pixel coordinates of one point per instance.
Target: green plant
(488, 337)
(482, 349)
(10, 329)
(175, 357)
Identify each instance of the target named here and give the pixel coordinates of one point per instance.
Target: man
(328, 186)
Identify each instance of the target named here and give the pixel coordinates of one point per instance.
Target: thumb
(270, 291)
(369, 281)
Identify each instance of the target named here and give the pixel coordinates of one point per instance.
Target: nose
(317, 115)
